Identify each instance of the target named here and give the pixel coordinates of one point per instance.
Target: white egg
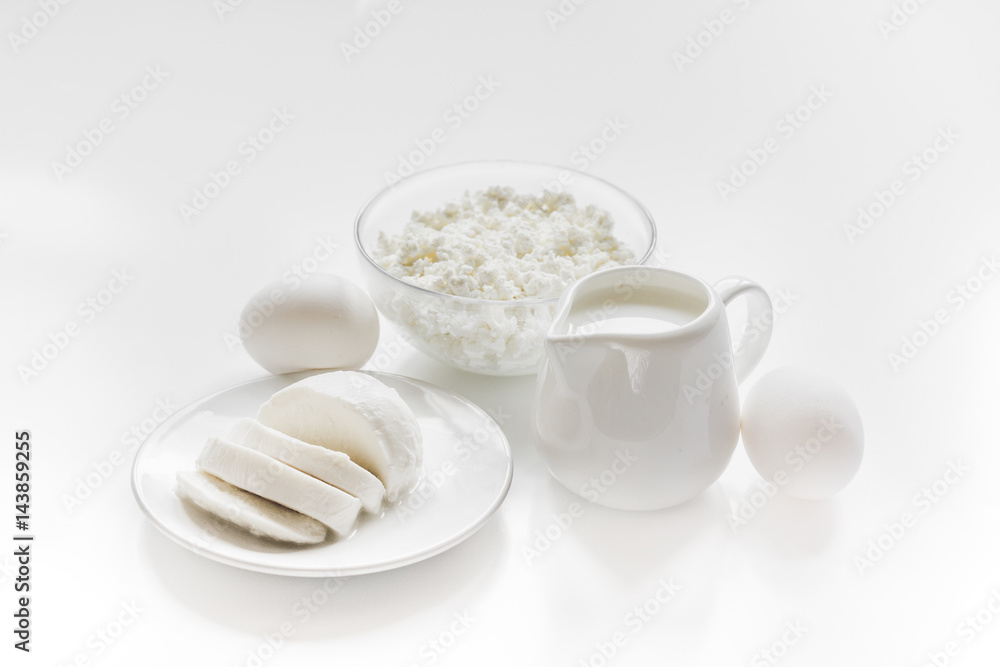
(325, 322)
(802, 432)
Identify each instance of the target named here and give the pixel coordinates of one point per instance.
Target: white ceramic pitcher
(636, 404)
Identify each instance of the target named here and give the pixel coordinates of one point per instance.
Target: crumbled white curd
(495, 245)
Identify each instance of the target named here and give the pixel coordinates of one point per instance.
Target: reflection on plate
(466, 474)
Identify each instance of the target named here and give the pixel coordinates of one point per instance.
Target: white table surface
(886, 96)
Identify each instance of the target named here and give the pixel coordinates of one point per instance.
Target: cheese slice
(269, 478)
(258, 515)
(332, 467)
(354, 413)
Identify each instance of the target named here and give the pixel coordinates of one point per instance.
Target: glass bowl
(480, 335)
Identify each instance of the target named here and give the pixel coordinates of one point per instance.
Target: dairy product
(496, 245)
(332, 467)
(324, 448)
(648, 309)
(269, 478)
(355, 414)
(500, 245)
(258, 515)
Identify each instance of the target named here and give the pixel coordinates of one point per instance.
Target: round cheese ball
(325, 322)
(802, 432)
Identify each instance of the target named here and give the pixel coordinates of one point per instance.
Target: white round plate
(466, 474)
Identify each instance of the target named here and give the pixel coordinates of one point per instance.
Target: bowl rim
(508, 303)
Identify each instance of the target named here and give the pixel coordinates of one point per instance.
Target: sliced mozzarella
(269, 478)
(258, 515)
(354, 413)
(332, 467)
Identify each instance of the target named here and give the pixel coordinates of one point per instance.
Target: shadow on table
(665, 569)
(634, 546)
(792, 528)
(321, 607)
(637, 543)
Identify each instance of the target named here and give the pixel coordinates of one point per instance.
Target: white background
(164, 336)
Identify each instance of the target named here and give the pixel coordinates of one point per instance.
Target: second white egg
(802, 431)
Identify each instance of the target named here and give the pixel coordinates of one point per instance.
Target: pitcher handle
(750, 347)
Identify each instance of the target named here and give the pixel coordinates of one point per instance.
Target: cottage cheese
(500, 246)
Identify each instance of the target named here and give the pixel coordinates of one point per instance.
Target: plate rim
(371, 568)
